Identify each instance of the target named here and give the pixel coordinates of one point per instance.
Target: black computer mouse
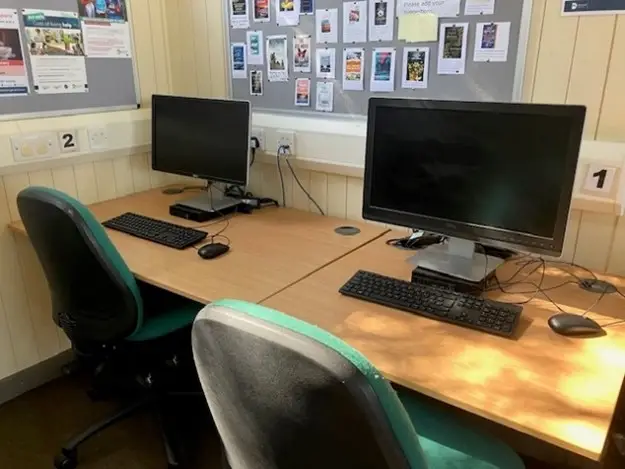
(572, 325)
(213, 250)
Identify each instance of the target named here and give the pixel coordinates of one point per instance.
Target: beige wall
(180, 49)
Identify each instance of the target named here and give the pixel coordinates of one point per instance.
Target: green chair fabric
(439, 441)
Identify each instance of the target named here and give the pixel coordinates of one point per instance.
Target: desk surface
(270, 249)
(558, 389)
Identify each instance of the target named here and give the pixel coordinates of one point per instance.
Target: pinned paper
(491, 42)
(418, 27)
(479, 7)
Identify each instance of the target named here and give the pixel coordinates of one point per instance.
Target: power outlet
(35, 146)
(260, 135)
(286, 137)
(98, 138)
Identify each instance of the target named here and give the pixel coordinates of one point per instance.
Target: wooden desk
(558, 389)
(270, 249)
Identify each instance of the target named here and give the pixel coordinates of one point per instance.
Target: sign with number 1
(601, 180)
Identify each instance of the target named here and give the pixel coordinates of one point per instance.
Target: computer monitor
(204, 138)
(475, 172)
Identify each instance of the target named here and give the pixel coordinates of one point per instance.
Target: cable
(279, 153)
(299, 183)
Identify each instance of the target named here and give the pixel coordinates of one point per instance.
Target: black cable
(278, 155)
(302, 187)
(253, 157)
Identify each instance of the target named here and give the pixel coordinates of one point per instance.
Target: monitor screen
(502, 167)
(206, 138)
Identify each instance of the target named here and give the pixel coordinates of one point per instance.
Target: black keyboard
(435, 303)
(158, 231)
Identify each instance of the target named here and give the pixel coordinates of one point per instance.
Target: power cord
(285, 150)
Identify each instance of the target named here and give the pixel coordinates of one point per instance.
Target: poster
(325, 96)
(479, 7)
(383, 69)
(415, 67)
(302, 92)
(593, 7)
(326, 26)
(277, 58)
(452, 48)
(105, 28)
(443, 8)
(326, 63)
(491, 42)
(13, 75)
(301, 54)
(239, 62)
(262, 11)
(56, 50)
(307, 7)
(381, 20)
(255, 52)
(353, 69)
(355, 22)
(239, 14)
(256, 82)
(287, 12)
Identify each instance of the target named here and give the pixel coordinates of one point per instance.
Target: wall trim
(37, 375)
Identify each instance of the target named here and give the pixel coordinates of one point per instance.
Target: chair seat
(450, 444)
(164, 313)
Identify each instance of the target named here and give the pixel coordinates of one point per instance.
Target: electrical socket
(35, 146)
(260, 135)
(286, 137)
(98, 138)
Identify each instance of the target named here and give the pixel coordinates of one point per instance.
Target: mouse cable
(299, 183)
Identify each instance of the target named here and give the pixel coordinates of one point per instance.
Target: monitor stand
(216, 204)
(457, 259)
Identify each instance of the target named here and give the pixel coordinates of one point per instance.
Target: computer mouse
(572, 325)
(213, 250)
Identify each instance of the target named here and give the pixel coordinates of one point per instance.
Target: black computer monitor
(482, 172)
(204, 138)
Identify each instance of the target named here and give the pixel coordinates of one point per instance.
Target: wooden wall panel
(184, 45)
(318, 191)
(140, 168)
(65, 180)
(199, 25)
(86, 185)
(533, 48)
(594, 240)
(337, 196)
(160, 49)
(124, 183)
(105, 179)
(612, 116)
(144, 49)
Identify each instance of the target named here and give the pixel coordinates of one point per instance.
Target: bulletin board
(482, 81)
(52, 59)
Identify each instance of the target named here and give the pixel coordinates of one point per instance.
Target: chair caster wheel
(65, 460)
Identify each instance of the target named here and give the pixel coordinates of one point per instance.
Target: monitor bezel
(474, 232)
(207, 177)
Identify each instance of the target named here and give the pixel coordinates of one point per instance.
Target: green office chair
(285, 394)
(128, 332)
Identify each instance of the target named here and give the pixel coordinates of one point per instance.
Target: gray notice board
(483, 81)
(112, 81)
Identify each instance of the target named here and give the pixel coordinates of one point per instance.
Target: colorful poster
(353, 69)
(326, 26)
(301, 54)
(239, 62)
(452, 48)
(13, 75)
(287, 12)
(355, 22)
(277, 58)
(56, 50)
(383, 69)
(307, 7)
(256, 82)
(325, 96)
(491, 42)
(302, 92)
(326, 63)
(239, 15)
(255, 52)
(262, 11)
(443, 8)
(415, 68)
(593, 7)
(479, 7)
(381, 20)
(105, 28)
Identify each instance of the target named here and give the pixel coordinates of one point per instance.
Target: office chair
(132, 337)
(285, 394)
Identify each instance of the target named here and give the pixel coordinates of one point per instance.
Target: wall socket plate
(286, 137)
(260, 135)
(35, 146)
(98, 138)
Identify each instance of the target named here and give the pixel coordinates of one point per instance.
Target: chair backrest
(95, 297)
(287, 394)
